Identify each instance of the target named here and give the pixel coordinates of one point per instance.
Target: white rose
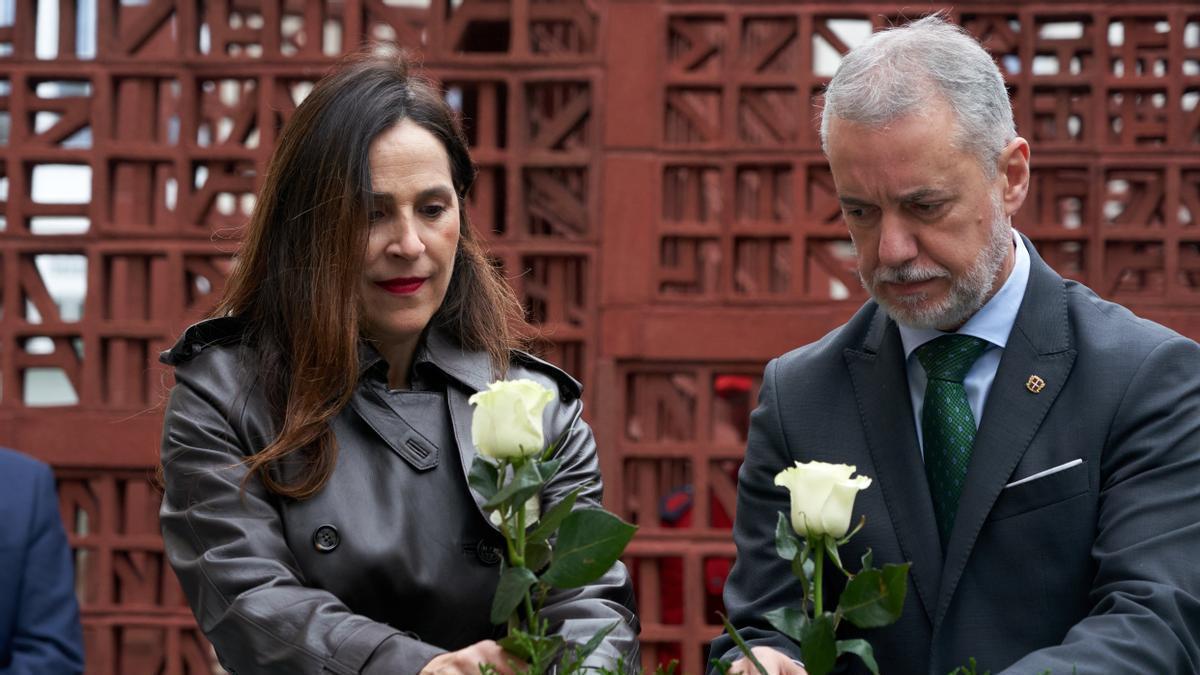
(822, 497)
(507, 422)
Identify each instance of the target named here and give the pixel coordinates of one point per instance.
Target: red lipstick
(402, 285)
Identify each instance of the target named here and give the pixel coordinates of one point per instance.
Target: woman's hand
(775, 662)
(466, 661)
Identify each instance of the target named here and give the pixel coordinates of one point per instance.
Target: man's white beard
(967, 293)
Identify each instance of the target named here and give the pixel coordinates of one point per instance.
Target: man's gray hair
(898, 71)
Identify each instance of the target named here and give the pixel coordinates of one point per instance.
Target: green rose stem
(519, 561)
(818, 600)
(515, 540)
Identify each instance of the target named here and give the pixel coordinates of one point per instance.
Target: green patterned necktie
(947, 425)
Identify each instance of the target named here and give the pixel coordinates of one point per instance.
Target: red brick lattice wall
(650, 177)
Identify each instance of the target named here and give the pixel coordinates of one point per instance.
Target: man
(1057, 525)
(39, 617)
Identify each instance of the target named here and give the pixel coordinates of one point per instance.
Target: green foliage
(787, 545)
(515, 583)
(537, 649)
(862, 649)
(554, 517)
(741, 644)
(538, 555)
(872, 598)
(589, 542)
(721, 665)
(626, 667)
(669, 669)
(484, 477)
(527, 480)
(573, 662)
(791, 621)
(862, 520)
(818, 645)
(586, 543)
(831, 548)
(875, 598)
(971, 668)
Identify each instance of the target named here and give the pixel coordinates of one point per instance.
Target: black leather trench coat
(393, 562)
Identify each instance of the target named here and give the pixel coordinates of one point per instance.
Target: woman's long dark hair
(299, 270)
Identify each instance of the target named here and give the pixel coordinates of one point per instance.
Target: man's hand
(466, 661)
(776, 663)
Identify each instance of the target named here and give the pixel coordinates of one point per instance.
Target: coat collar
(441, 353)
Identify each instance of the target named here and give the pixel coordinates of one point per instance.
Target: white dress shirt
(993, 322)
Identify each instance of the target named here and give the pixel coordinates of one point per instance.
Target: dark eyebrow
(380, 198)
(924, 194)
(851, 201)
(436, 192)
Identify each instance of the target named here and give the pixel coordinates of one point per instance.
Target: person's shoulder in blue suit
(40, 633)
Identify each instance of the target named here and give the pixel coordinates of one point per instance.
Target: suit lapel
(881, 387)
(1039, 344)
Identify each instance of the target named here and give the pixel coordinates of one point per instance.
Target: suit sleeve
(579, 613)
(760, 580)
(228, 549)
(47, 637)
(1145, 599)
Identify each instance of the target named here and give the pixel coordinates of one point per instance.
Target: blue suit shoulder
(18, 469)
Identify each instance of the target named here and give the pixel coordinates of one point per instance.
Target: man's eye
(926, 207)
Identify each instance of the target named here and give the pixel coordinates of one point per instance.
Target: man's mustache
(909, 274)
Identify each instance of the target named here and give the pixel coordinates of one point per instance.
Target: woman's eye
(375, 216)
(433, 210)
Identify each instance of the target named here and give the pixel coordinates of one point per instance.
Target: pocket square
(1043, 474)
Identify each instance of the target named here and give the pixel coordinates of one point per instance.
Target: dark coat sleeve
(760, 580)
(579, 613)
(47, 637)
(227, 547)
(1145, 598)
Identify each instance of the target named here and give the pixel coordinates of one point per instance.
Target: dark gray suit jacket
(1094, 569)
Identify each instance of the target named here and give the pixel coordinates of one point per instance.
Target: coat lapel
(1039, 344)
(391, 427)
(472, 370)
(881, 387)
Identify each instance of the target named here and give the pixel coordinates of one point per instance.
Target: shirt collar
(994, 321)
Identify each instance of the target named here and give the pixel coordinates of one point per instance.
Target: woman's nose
(405, 240)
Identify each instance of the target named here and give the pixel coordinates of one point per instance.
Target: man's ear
(1014, 174)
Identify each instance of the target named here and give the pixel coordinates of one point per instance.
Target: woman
(316, 509)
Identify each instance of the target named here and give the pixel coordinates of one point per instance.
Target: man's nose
(897, 242)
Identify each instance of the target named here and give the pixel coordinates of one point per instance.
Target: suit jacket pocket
(1035, 494)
